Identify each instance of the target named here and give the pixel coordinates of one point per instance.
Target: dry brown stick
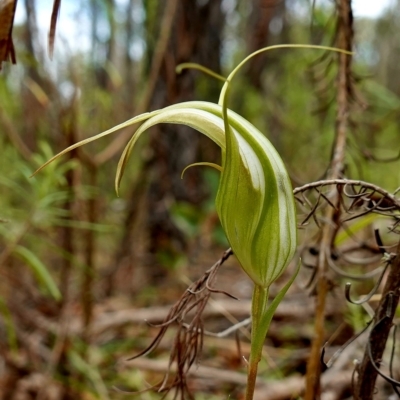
(14, 136)
(7, 13)
(89, 270)
(382, 324)
(344, 41)
(53, 24)
(271, 390)
(201, 371)
(102, 322)
(153, 315)
(159, 52)
(292, 387)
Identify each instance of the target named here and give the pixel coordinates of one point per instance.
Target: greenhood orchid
(255, 203)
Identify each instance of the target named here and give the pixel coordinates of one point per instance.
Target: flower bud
(255, 203)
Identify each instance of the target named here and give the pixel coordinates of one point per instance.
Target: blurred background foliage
(70, 250)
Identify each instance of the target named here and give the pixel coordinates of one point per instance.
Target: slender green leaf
(40, 270)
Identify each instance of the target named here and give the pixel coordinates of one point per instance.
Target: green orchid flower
(254, 202)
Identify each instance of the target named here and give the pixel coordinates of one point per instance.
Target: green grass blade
(40, 270)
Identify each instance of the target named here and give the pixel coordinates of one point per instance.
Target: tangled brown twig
(357, 204)
(188, 341)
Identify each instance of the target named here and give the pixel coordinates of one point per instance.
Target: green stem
(258, 332)
(261, 315)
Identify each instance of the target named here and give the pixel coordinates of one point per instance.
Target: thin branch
(329, 230)
(7, 13)
(367, 371)
(347, 182)
(53, 24)
(14, 136)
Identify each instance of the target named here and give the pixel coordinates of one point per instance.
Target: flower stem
(258, 332)
(261, 314)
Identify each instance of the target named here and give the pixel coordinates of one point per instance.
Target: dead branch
(344, 38)
(376, 344)
(334, 384)
(7, 13)
(293, 309)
